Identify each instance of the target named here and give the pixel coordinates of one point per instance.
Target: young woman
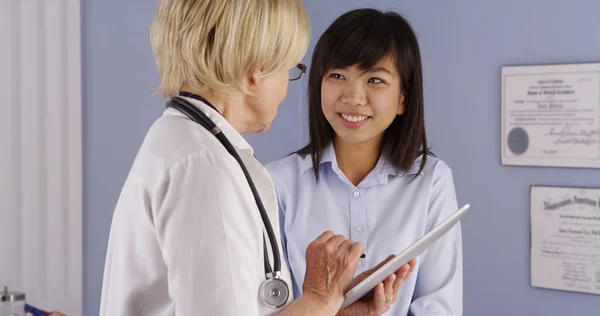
(367, 172)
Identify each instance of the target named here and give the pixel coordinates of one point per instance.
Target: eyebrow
(370, 70)
(378, 69)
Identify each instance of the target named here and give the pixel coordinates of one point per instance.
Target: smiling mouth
(354, 119)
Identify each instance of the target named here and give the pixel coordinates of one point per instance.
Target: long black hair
(364, 37)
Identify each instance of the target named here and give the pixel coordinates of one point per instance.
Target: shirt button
(356, 194)
(358, 229)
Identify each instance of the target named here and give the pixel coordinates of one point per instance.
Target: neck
(230, 106)
(357, 160)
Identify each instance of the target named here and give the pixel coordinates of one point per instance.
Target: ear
(401, 107)
(253, 80)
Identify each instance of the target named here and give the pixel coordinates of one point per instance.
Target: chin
(354, 138)
(265, 124)
(261, 127)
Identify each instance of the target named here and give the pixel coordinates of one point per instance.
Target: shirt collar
(383, 168)
(230, 132)
(392, 170)
(327, 156)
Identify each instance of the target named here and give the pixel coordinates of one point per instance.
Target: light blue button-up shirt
(385, 213)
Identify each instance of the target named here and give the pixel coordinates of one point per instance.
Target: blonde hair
(213, 45)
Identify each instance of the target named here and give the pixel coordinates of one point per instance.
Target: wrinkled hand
(331, 261)
(374, 303)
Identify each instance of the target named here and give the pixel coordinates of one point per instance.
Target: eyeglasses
(296, 72)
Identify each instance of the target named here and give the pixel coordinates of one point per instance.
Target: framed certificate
(565, 238)
(550, 115)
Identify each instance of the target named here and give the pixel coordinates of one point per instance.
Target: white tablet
(402, 258)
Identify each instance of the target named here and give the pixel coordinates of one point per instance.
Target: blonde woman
(196, 229)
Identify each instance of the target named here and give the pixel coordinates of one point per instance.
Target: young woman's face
(360, 104)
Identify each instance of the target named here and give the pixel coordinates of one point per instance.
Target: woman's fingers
(401, 276)
(378, 302)
(356, 250)
(325, 236)
(388, 285)
(331, 262)
(412, 263)
(334, 242)
(346, 245)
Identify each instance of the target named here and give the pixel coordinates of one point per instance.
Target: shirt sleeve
(208, 238)
(439, 284)
(281, 203)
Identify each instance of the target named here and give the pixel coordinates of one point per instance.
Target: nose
(354, 95)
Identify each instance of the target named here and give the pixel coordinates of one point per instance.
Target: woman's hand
(384, 295)
(331, 261)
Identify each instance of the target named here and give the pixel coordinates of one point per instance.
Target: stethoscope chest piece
(274, 292)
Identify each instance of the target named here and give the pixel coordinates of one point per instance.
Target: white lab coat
(186, 236)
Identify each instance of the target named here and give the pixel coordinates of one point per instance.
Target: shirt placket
(358, 223)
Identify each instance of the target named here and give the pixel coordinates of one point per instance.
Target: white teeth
(354, 118)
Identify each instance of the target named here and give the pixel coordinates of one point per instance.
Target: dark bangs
(355, 39)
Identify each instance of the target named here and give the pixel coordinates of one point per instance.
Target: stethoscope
(274, 292)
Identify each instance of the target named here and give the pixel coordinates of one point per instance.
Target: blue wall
(119, 77)
(464, 43)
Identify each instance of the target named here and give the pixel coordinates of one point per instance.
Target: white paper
(551, 115)
(565, 239)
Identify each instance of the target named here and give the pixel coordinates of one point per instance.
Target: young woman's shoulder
(434, 167)
(289, 167)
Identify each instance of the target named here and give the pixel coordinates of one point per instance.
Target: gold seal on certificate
(551, 115)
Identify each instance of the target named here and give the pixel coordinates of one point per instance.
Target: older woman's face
(267, 96)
